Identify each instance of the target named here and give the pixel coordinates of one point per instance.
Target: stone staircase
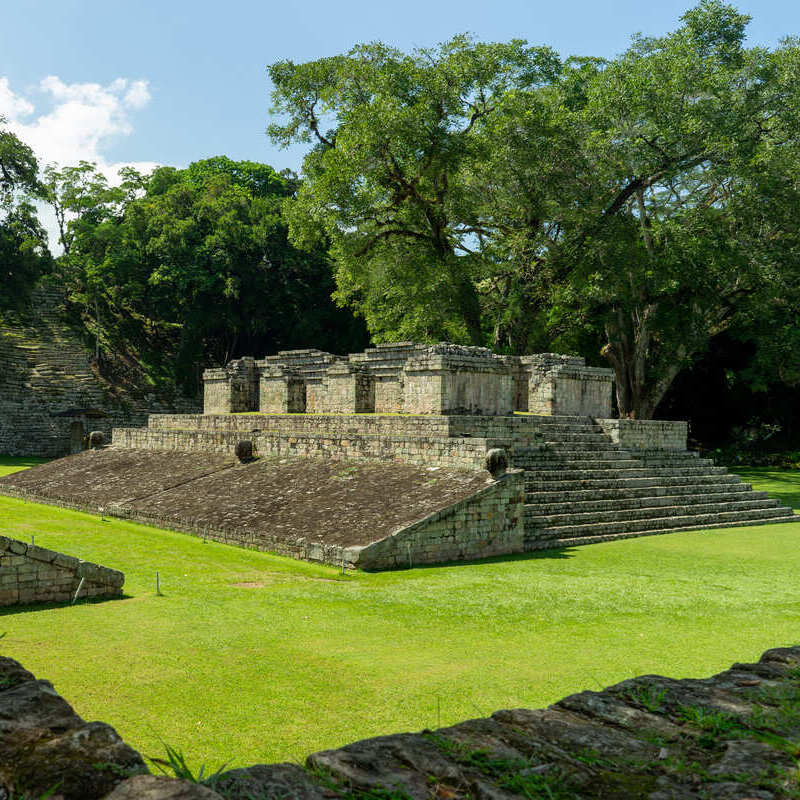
(581, 488)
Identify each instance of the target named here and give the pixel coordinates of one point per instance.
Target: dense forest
(641, 211)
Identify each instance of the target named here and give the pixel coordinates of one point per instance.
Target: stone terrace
(303, 508)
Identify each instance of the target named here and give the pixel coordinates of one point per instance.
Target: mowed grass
(304, 659)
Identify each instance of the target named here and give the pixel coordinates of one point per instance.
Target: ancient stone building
(51, 394)
(410, 378)
(404, 454)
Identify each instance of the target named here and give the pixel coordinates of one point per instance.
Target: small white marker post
(158, 587)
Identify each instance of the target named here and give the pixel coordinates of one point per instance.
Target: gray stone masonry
(585, 480)
(31, 574)
(349, 389)
(634, 740)
(233, 389)
(490, 523)
(410, 378)
(51, 393)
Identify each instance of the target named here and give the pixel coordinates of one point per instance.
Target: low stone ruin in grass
(31, 574)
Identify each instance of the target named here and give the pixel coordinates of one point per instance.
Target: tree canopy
(194, 261)
(632, 208)
(24, 256)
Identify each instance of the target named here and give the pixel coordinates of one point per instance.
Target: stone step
(623, 470)
(559, 419)
(577, 464)
(536, 458)
(656, 523)
(650, 492)
(548, 543)
(535, 483)
(576, 436)
(596, 505)
(580, 447)
(535, 517)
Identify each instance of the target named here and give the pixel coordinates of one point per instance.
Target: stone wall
(727, 737)
(646, 434)
(449, 379)
(348, 389)
(412, 378)
(571, 390)
(489, 523)
(51, 394)
(32, 574)
(467, 453)
(447, 441)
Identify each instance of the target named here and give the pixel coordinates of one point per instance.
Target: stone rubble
(733, 736)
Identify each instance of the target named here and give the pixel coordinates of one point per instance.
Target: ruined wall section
(489, 523)
(646, 738)
(646, 434)
(50, 394)
(31, 574)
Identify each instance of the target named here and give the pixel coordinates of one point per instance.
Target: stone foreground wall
(31, 574)
(729, 737)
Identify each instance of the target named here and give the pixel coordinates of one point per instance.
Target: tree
(196, 262)
(679, 232)
(637, 206)
(23, 243)
(385, 184)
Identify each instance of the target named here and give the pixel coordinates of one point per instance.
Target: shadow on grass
(21, 461)
(7, 611)
(557, 553)
(783, 485)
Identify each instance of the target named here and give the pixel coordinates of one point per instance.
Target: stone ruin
(636, 740)
(402, 455)
(410, 378)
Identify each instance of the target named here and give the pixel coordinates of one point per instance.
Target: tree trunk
(638, 390)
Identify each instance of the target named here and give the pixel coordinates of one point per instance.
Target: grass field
(300, 658)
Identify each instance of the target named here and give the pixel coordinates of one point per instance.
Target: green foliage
(648, 696)
(634, 207)
(193, 262)
(24, 256)
(386, 183)
(175, 766)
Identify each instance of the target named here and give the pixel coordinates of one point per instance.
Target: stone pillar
(385, 362)
(451, 379)
(232, 389)
(281, 392)
(349, 389)
(570, 390)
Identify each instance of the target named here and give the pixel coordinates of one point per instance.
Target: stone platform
(384, 491)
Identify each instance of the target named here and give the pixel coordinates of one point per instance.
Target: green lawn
(309, 659)
(9, 464)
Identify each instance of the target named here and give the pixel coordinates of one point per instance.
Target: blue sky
(174, 81)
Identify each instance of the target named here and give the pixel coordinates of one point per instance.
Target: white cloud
(138, 96)
(11, 105)
(79, 123)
